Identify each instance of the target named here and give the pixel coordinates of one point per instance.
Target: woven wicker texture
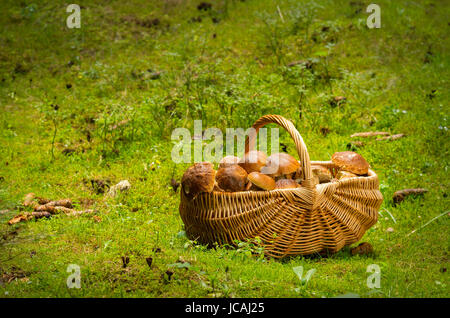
(304, 220)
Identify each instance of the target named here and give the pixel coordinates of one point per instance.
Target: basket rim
(370, 175)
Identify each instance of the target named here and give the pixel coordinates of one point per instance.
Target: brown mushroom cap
(253, 161)
(351, 161)
(324, 175)
(228, 161)
(286, 184)
(232, 178)
(344, 175)
(198, 178)
(261, 180)
(280, 164)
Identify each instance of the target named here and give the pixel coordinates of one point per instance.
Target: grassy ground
(132, 73)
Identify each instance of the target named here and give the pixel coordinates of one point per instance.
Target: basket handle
(303, 154)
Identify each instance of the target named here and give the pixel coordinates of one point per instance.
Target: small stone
(122, 186)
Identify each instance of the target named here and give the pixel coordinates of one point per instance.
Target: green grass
(227, 73)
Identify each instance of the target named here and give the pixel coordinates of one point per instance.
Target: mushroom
(351, 161)
(261, 181)
(286, 184)
(232, 178)
(253, 161)
(198, 178)
(228, 161)
(279, 164)
(322, 173)
(298, 175)
(344, 175)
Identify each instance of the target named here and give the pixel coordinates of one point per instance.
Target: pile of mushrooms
(256, 171)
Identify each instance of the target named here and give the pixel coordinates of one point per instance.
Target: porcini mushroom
(344, 175)
(228, 161)
(198, 178)
(253, 161)
(286, 184)
(298, 175)
(351, 161)
(261, 181)
(280, 164)
(232, 178)
(322, 173)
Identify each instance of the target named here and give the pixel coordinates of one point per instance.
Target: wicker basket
(305, 220)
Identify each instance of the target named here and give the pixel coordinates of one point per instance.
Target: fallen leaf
(392, 137)
(75, 212)
(14, 274)
(63, 209)
(45, 208)
(67, 203)
(370, 134)
(19, 218)
(43, 201)
(38, 215)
